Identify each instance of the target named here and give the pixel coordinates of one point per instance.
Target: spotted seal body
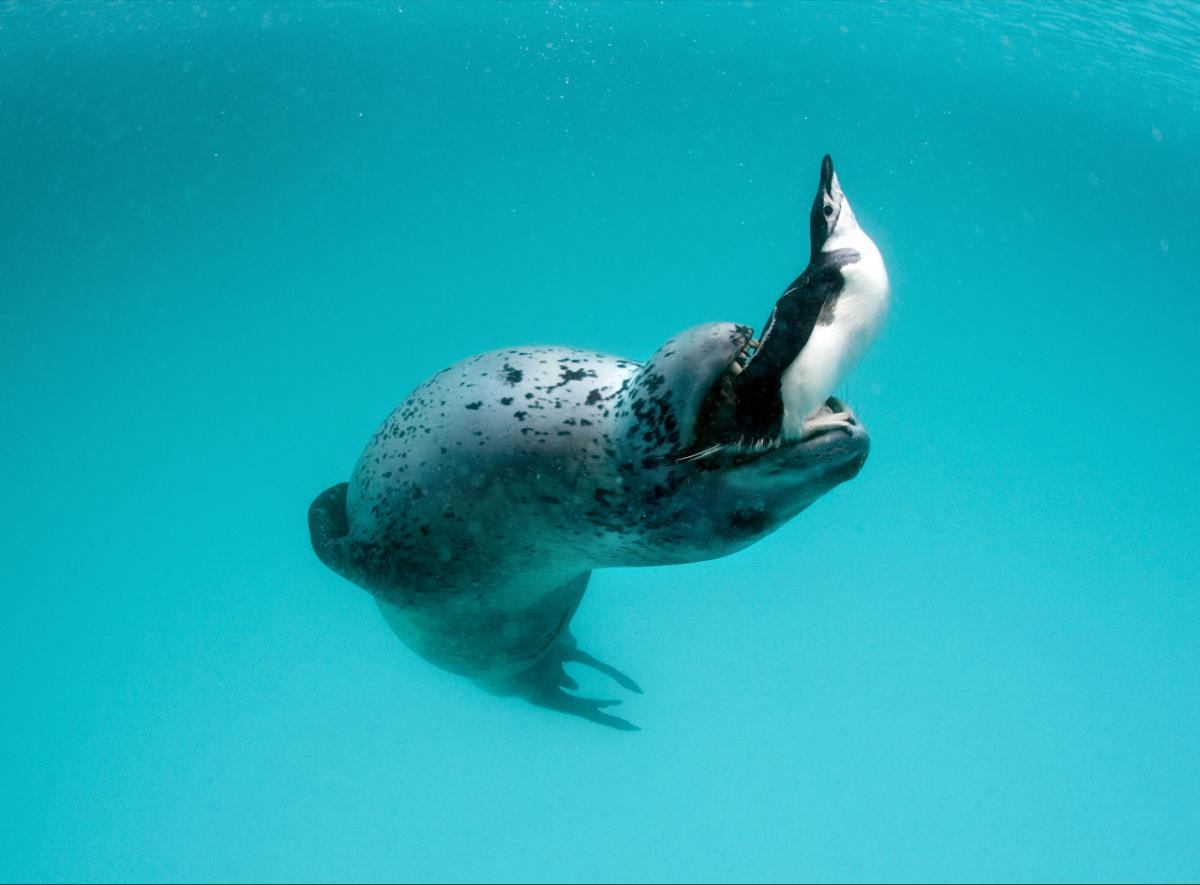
(480, 506)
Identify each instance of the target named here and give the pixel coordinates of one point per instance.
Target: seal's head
(726, 495)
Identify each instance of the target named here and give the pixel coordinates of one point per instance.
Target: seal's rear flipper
(328, 526)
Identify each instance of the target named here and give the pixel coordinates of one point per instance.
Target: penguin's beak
(827, 207)
(828, 176)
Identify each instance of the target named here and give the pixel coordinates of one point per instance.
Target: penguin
(818, 331)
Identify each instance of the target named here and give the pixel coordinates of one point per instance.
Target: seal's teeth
(736, 367)
(754, 343)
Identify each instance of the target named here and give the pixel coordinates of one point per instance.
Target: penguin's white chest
(835, 348)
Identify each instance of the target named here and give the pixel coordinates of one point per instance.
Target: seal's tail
(328, 526)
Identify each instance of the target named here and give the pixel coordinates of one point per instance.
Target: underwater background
(234, 236)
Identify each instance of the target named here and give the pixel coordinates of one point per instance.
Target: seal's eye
(828, 211)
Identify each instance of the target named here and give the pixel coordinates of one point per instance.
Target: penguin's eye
(828, 211)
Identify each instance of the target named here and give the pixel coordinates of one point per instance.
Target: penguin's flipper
(791, 324)
(752, 416)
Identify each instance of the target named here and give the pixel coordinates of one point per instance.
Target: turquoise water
(233, 237)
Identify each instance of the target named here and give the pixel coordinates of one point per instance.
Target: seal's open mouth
(722, 419)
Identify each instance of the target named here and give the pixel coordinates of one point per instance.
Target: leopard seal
(480, 507)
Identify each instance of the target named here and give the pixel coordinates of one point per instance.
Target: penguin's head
(831, 221)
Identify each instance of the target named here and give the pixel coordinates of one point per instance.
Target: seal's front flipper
(543, 682)
(591, 709)
(582, 657)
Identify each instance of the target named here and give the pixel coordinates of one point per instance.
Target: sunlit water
(233, 237)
